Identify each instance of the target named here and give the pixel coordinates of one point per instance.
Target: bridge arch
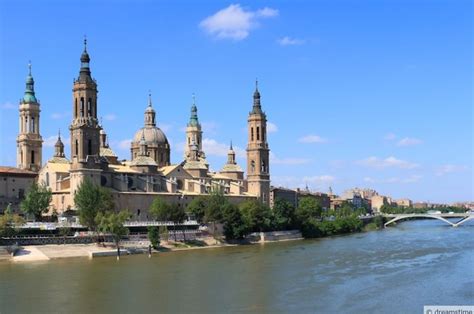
(470, 217)
(402, 217)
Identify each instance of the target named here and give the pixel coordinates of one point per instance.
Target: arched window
(82, 106)
(47, 178)
(89, 147)
(258, 133)
(89, 106)
(33, 126)
(77, 147)
(75, 107)
(252, 166)
(263, 134)
(251, 133)
(264, 166)
(32, 156)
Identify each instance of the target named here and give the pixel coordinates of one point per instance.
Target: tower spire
(257, 108)
(193, 120)
(29, 96)
(149, 98)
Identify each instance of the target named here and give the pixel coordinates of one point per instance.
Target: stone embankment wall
(275, 236)
(51, 240)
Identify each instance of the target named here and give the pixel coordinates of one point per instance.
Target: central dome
(153, 136)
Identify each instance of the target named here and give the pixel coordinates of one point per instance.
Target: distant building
(294, 196)
(404, 202)
(377, 201)
(14, 183)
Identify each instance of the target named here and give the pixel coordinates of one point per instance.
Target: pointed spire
(85, 59)
(149, 98)
(85, 43)
(150, 113)
(59, 146)
(193, 120)
(256, 99)
(29, 96)
(231, 148)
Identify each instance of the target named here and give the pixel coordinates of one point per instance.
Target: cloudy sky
(371, 94)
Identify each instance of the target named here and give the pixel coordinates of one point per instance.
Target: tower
(194, 135)
(29, 141)
(258, 168)
(85, 128)
(59, 148)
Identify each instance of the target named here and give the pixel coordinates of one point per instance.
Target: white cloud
(235, 22)
(318, 182)
(271, 127)
(389, 162)
(309, 139)
(209, 127)
(124, 144)
(288, 41)
(58, 115)
(409, 141)
(51, 140)
(390, 137)
(110, 117)
(8, 106)
(165, 127)
(410, 179)
(288, 161)
(212, 147)
(450, 168)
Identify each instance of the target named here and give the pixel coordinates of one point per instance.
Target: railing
(74, 225)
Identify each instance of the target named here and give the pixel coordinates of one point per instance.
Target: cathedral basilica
(149, 173)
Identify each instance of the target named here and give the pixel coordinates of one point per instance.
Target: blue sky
(371, 94)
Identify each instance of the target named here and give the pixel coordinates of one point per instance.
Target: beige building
(149, 173)
(14, 183)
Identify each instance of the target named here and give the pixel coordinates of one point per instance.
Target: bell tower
(85, 128)
(29, 140)
(193, 135)
(258, 168)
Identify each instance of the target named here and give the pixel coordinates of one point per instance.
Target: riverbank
(41, 253)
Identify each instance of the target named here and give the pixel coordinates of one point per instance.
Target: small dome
(153, 136)
(85, 57)
(149, 109)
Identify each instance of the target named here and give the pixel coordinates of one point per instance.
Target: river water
(396, 270)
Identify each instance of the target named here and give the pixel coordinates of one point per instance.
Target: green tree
(235, 227)
(178, 217)
(308, 207)
(197, 207)
(36, 201)
(284, 215)
(9, 224)
(154, 236)
(112, 223)
(257, 217)
(160, 210)
(91, 200)
(64, 232)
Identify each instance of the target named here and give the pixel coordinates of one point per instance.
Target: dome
(149, 109)
(153, 136)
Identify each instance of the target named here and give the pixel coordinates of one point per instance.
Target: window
(264, 166)
(77, 147)
(75, 108)
(89, 147)
(32, 156)
(252, 166)
(258, 133)
(263, 134)
(82, 106)
(89, 106)
(251, 133)
(47, 178)
(33, 127)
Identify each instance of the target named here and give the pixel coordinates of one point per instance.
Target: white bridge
(443, 217)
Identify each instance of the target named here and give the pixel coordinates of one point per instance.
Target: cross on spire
(85, 43)
(29, 67)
